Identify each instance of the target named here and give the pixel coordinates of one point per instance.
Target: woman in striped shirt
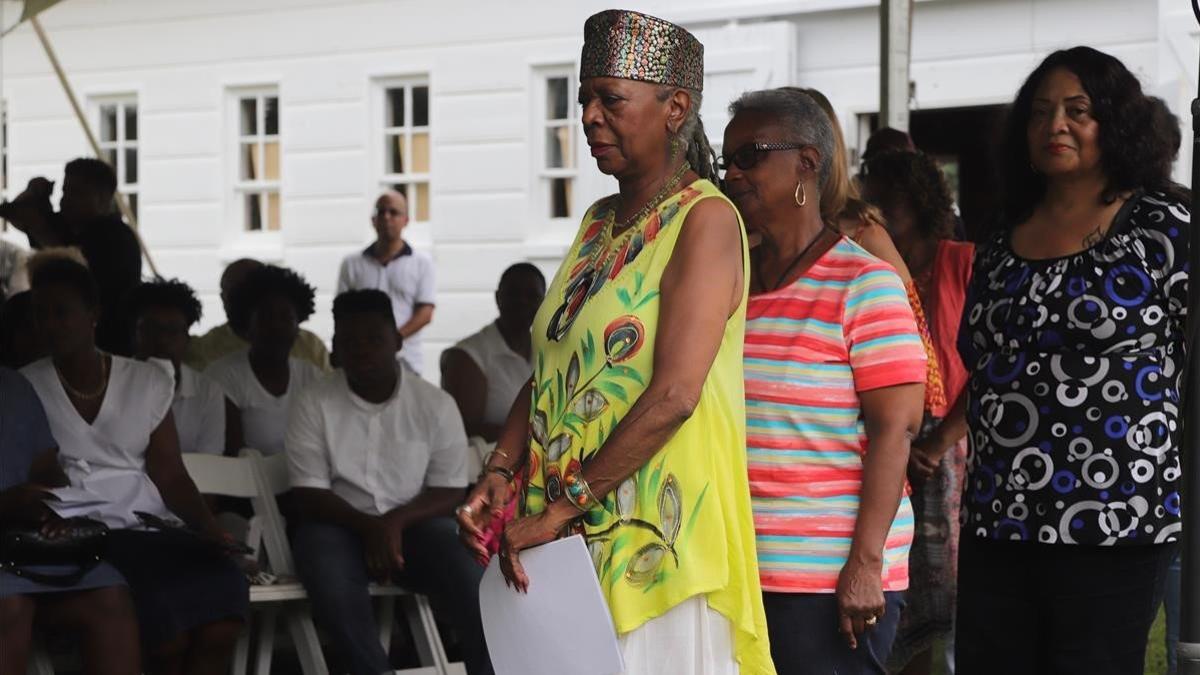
(835, 374)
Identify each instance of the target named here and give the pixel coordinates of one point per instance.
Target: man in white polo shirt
(377, 462)
(390, 265)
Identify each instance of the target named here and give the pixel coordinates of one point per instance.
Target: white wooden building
(265, 128)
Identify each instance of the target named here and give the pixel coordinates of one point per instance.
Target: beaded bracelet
(579, 493)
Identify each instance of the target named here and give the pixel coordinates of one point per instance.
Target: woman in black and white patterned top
(1074, 336)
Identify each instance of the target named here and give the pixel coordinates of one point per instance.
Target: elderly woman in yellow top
(631, 430)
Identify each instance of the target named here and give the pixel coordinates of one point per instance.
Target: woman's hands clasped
(481, 514)
(481, 527)
(527, 533)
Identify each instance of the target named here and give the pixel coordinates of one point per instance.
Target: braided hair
(697, 150)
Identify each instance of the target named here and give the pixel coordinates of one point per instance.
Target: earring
(801, 195)
(676, 145)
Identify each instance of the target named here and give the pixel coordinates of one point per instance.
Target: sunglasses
(749, 155)
(384, 213)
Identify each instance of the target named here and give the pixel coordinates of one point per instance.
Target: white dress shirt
(376, 456)
(199, 409)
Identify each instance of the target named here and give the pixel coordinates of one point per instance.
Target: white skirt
(690, 639)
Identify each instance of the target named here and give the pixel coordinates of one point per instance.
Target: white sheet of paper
(72, 501)
(562, 626)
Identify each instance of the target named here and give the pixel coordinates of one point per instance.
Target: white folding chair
(427, 641)
(241, 477)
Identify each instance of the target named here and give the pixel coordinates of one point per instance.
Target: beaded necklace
(610, 224)
(579, 289)
(85, 396)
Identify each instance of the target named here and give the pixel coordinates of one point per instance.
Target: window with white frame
(557, 142)
(118, 127)
(406, 143)
(256, 184)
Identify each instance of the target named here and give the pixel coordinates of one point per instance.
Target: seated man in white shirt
(377, 461)
(163, 312)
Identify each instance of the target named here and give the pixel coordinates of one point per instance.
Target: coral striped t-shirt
(845, 326)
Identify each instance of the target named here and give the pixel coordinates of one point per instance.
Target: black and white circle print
(1073, 400)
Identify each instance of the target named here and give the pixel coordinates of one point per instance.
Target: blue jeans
(1174, 592)
(803, 628)
(329, 560)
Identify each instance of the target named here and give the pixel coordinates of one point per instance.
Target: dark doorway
(964, 141)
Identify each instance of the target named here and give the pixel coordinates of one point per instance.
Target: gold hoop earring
(801, 195)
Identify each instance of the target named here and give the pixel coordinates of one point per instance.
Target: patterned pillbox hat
(633, 46)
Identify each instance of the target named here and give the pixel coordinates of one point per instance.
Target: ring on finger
(871, 621)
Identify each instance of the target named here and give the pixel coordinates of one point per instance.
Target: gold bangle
(494, 452)
(504, 473)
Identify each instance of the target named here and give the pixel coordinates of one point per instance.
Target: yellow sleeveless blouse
(681, 525)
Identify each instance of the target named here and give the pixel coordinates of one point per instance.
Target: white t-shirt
(408, 279)
(376, 456)
(264, 417)
(107, 458)
(506, 371)
(199, 410)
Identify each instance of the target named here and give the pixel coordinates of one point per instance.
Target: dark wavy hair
(170, 293)
(916, 177)
(265, 282)
(67, 272)
(1139, 138)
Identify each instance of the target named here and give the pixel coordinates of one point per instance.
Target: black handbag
(79, 548)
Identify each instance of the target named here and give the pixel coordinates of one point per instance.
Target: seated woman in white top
(271, 305)
(485, 372)
(111, 418)
(163, 312)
